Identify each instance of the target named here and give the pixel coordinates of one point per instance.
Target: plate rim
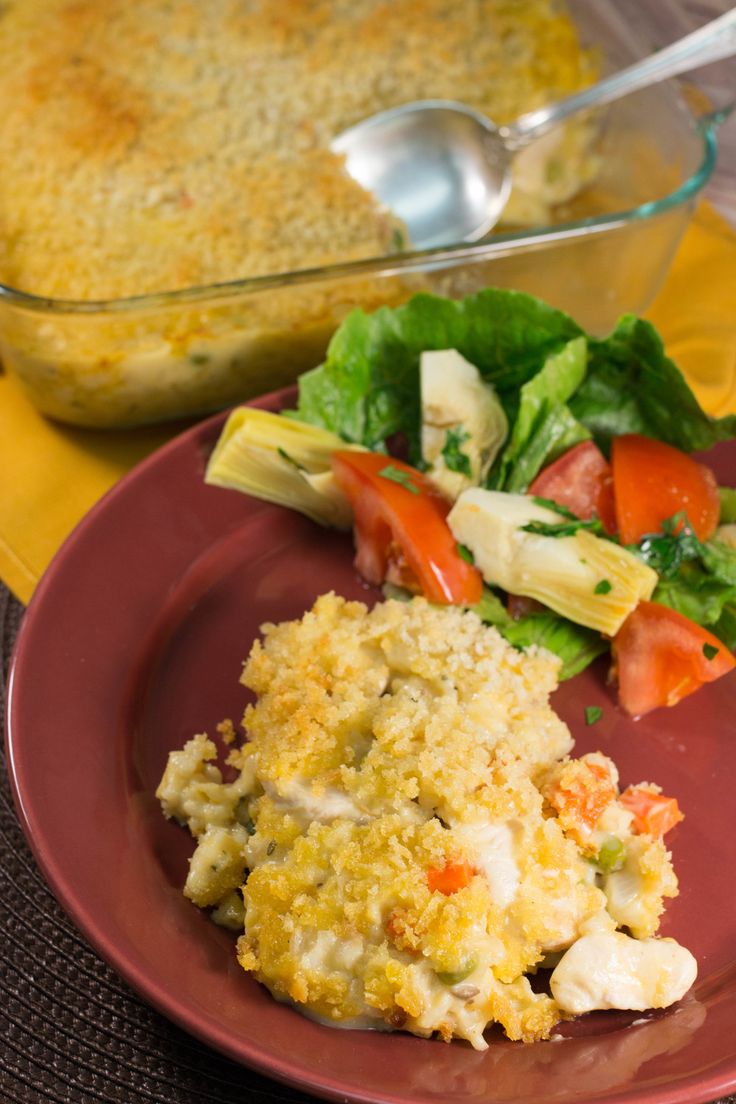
(690, 1088)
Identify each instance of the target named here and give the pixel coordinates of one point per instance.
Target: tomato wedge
(400, 529)
(581, 480)
(660, 657)
(653, 813)
(653, 481)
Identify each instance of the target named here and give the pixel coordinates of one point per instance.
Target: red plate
(135, 640)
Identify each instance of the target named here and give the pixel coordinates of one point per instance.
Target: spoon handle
(715, 40)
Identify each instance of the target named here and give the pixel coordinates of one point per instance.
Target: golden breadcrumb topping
(148, 145)
(407, 840)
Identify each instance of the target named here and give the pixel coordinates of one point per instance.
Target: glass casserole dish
(127, 361)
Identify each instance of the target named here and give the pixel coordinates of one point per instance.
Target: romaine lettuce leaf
(719, 559)
(491, 609)
(544, 427)
(697, 595)
(367, 390)
(727, 496)
(725, 627)
(576, 646)
(633, 387)
(704, 590)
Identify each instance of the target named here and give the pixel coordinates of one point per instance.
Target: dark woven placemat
(71, 1031)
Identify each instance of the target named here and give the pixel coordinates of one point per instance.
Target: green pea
(453, 977)
(611, 855)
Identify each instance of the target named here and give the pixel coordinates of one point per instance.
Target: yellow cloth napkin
(695, 311)
(51, 474)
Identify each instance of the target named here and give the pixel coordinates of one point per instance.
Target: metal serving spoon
(444, 169)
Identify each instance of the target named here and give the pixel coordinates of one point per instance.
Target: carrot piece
(449, 878)
(582, 796)
(654, 814)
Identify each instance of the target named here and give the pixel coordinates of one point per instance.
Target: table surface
(72, 1031)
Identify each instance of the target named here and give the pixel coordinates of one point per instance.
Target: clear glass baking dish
(130, 361)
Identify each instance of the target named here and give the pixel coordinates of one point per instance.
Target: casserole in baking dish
(174, 235)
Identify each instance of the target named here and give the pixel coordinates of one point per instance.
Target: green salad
(490, 453)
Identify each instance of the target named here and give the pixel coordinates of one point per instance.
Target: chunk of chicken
(612, 970)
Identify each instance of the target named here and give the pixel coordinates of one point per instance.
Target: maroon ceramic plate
(135, 640)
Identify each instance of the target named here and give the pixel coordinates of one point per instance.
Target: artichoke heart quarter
(280, 460)
(592, 581)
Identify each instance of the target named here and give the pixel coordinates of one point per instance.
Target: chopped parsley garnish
(550, 504)
(290, 459)
(563, 528)
(603, 587)
(710, 651)
(593, 713)
(465, 553)
(455, 459)
(667, 550)
(397, 475)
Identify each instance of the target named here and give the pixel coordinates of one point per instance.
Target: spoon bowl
(439, 166)
(445, 170)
